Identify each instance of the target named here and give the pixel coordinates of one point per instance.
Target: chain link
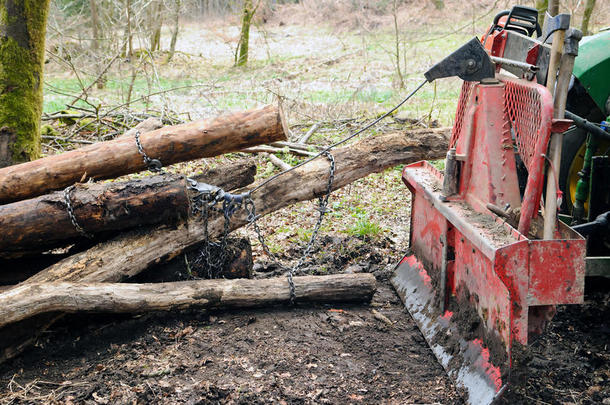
(67, 199)
(154, 165)
(322, 209)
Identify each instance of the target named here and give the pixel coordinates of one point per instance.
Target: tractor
(520, 214)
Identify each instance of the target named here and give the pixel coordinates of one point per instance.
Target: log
(171, 144)
(41, 223)
(28, 300)
(131, 253)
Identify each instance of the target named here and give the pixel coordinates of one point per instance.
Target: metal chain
(67, 199)
(154, 165)
(322, 209)
(203, 203)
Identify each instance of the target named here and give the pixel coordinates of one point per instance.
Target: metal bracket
(470, 63)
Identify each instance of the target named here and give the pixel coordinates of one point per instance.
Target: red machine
(479, 278)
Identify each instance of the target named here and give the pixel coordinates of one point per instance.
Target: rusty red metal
(469, 273)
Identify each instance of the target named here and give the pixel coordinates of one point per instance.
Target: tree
(241, 53)
(541, 6)
(22, 48)
(172, 44)
(587, 16)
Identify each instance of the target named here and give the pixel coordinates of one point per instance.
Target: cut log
(28, 300)
(131, 253)
(41, 223)
(171, 144)
(128, 254)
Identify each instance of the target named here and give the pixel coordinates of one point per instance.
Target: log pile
(111, 232)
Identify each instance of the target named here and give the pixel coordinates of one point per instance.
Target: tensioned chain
(205, 201)
(154, 165)
(322, 209)
(67, 199)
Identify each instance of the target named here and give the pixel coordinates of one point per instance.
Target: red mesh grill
(461, 110)
(524, 107)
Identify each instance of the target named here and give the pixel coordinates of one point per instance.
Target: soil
(306, 354)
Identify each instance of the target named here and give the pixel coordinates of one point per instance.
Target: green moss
(21, 71)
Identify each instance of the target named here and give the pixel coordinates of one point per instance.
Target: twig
(102, 73)
(271, 149)
(309, 133)
(279, 163)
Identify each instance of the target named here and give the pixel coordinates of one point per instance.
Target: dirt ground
(302, 355)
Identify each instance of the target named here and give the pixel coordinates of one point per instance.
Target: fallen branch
(309, 133)
(120, 156)
(131, 253)
(25, 301)
(271, 149)
(277, 162)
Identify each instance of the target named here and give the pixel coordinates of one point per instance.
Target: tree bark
(155, 24)
(22, 45)
(44, 222)
(171, 144)
(553, 7)
(587, 17)
(541, 6)
(114, 207)
(241, 54)
(131, 253)
(25, 301)
(172, 44)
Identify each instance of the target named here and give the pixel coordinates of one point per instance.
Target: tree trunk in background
(587, 16)
(241, 54)
(155, 25)
(172, 45)
(22, 45)
(553, 7)
(95, 41)
(128, 36)
(541, 6)
(438, 4)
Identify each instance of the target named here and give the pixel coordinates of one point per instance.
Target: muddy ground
(303, 355)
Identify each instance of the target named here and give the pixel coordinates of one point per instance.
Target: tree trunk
(22, 45)
(228, 177)
(438, 4)
(541, 6)
(171, 144)
(172, 44)
(553, 7)
(41, 223)
(155, 24)
(131, 253)
(28, 300)
(241, 54)
(587, 16)
(128, 36)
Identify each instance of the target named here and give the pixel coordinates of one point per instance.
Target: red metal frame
(465, 260)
